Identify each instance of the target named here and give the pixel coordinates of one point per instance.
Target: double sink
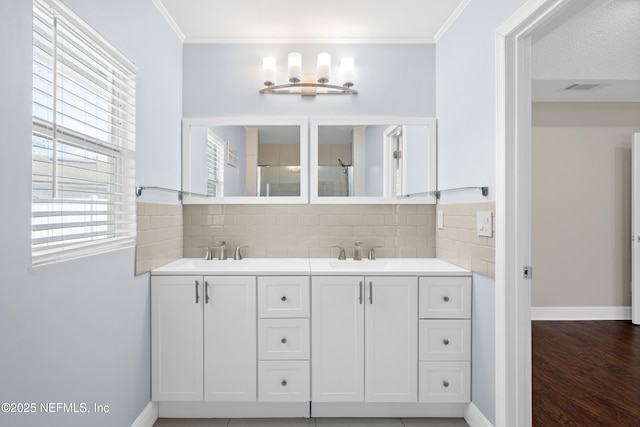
(314, 266)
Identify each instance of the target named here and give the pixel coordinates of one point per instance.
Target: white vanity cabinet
(445, 339)
(310, 337)
(203, 334)
(364, 338)
(283, 339)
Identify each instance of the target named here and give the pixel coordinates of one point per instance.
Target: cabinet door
(230, 338)
(391, 339)
(176, 338)
(337, 339)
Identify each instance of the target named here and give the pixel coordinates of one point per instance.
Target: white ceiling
(296, 21)
(597, 43)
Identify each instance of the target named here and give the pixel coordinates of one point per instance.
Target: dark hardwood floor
(586, 373)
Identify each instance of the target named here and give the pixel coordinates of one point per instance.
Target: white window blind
(83, 139)
(215, 165)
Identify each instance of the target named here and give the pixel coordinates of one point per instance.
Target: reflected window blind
(83, 139)
(215, 165)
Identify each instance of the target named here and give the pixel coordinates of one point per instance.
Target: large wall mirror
(245, 160)
(373, 160)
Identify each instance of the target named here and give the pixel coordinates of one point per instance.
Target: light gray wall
(79, 331)
(465, 108)
(581, 203)
(392, 80)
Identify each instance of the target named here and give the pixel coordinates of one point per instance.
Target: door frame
(513, 205)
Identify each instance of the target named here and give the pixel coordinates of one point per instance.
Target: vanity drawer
(286, 296)
(283, 339)
(445, 339)
(445, 297)
(444, 382)
(283, 381)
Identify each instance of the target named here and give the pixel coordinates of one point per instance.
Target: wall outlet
(484, 223)
(440, 219)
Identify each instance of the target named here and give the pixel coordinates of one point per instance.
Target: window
(215, 165)
(83, 139)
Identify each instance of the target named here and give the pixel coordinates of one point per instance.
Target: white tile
(434, 422)
(271, 422)
(191, 422)
(358, 422)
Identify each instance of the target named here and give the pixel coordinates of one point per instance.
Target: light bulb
(347, 70)
(324, 67)
(295, 67)
(269, 71)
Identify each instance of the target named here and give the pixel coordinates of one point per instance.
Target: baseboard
(580, 313)
(148, 416)
(475, 418)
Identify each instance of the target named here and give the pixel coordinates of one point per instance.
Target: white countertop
(385, 267)
(247, 266)
(313, 266)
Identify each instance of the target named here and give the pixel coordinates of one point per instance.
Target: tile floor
(311, 422)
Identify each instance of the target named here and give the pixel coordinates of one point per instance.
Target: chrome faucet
(357, 252)
(208, 253)
(237, 255)
(222, 255)
(372, 252)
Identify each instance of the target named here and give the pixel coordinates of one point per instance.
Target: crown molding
(309, 40)
(167, 17)
(449, 22)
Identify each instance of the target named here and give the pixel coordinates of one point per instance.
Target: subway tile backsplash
(301, 231)
(458, 242)
(159, 235)
(169, 232)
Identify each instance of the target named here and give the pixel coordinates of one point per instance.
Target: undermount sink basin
(359, 265)
(231, 266)
(384, 267)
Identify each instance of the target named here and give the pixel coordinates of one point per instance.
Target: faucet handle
(237, 255)
(342, 254)
(372, 252)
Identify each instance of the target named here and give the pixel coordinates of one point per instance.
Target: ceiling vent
(583, 86)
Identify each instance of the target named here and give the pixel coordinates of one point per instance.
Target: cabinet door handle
(370, 292)
(197, 295)
(445, 383)
(283, 383)
(283, 340)
(445, 341)
(284, 298)
(206, 292)
(360, 285)
(446, 299)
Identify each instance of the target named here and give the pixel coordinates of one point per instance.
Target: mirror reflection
(373, 160)
(239, 161)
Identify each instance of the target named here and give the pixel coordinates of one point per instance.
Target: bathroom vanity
(301, 337)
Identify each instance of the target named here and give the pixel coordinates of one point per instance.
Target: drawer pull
(284, 298)
(283, 383)
(197, 295)
(445, 341)
(446, 299)
(445, 383)
(283, 340)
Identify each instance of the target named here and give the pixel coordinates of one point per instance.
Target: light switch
(440, 219)
(484, 223)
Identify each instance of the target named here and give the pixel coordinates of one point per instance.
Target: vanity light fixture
(308, 84)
